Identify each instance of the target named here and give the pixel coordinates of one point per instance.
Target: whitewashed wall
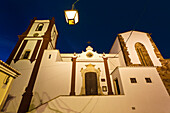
(141, 37)
(19, 84)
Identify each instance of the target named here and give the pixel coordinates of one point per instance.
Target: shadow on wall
(8, 100)
(54, 104)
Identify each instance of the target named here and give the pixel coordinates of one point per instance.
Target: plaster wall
(116, 75)
(102, 104)
(152, 96)
(54, 70)
(116, 49)
(141, 87)
(19, 84)
(142, 38)
(54, 78)
(140, 97)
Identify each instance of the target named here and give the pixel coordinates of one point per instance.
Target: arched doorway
(143, 54)
(91, 83)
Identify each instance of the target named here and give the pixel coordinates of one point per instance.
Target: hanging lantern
(71, 16)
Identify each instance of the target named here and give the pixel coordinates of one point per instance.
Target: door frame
(90, 68)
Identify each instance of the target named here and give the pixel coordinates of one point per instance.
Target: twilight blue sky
(100, 22)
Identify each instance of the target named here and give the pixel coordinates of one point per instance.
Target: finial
(89, 48)
(103, 54)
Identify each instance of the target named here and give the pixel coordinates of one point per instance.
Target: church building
(133, 77)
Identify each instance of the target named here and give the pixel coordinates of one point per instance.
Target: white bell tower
(30, 42)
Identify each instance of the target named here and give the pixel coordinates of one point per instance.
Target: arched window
(143, 55)
(39, 27)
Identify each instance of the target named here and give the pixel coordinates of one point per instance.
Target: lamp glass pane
(71, 16)
(76, 18)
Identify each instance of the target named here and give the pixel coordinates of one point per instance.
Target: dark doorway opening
(91, 83)
(117, 87)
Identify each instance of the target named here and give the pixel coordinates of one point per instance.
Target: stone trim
(164, 70)
(124, 50)
(90, 68)
(35, 52)
(20, 51)
(157, 52)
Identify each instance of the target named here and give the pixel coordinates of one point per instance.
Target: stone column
(110, 92)
(72, 92)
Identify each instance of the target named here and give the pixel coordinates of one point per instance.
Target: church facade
(133, 77)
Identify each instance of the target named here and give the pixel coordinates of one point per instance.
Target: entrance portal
(91, 83)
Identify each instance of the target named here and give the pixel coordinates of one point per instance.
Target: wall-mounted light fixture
(72, 16)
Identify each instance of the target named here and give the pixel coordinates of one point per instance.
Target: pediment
(89, 54)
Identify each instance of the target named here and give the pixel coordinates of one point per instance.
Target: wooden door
(91, 83)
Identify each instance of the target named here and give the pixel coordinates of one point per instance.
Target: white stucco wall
(55, 70)
(19, 84)
(140, 97)
(116, 49)
(141, 37)
(146, 97)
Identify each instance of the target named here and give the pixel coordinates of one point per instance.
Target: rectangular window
(102, 79)
(148, 80)
(26, 55)
(133, 80)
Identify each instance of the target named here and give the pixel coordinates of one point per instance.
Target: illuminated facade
(125, 80)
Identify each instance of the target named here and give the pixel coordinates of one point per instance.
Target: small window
(148, 80)
(49, 56)
(133, 108)
(39, 27)
(103, 80)
(26, 55)
(133, 80)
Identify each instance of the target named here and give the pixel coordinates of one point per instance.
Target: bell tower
(30, 42)
(27, 55)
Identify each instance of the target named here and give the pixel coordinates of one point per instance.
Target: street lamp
(72, 16)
